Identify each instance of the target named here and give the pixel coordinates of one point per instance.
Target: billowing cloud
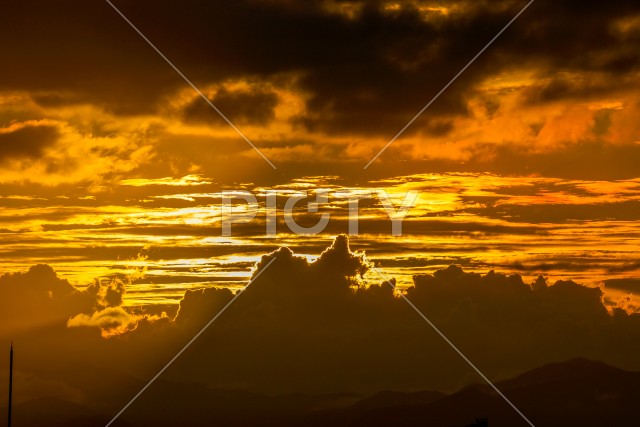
(326, 326)
(196, 305)
(316, 325)
(111, 321)
(38, 298)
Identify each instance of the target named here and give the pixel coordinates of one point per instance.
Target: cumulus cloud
(197, 305)
(108, 292)
(326, 326)
(111, 321)
(316, 325)
(38, 298)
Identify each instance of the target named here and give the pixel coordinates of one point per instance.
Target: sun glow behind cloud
(528, 163)
(562, 228)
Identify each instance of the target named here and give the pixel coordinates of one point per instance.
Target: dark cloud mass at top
(364, 72)
(319, 85)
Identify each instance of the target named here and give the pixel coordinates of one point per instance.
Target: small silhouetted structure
(10, 381)
(480, 422)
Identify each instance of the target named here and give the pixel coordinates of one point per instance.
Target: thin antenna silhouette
(10, 381)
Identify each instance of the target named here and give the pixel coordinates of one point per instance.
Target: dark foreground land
(578, 392)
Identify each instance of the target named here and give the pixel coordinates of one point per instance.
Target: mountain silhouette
(577, 392)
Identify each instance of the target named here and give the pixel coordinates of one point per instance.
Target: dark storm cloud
(76, 52)
(26, 141)
(365, 73)
(576, 35)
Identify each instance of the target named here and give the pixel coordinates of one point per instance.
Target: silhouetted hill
(173, 404)
(386, 399)
(460, 408)
(569, 370)
(578, 392)
(379, 401)
(54, 412)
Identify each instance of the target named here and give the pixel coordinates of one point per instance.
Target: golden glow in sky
(526, 164)
(476, 159)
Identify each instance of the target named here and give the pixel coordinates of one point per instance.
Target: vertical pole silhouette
(10, 381)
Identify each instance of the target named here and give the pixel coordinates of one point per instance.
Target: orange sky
(522, 244)
(111, 163)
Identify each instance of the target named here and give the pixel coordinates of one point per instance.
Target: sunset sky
(112, 167)
(527, 163)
